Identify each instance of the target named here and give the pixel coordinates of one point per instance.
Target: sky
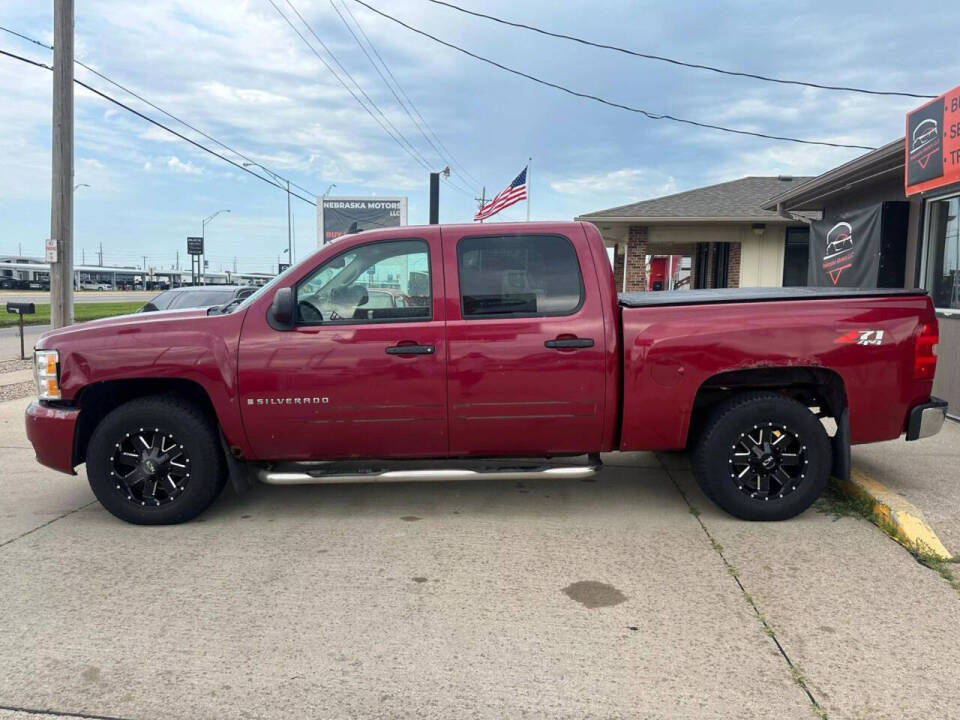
(237, 71)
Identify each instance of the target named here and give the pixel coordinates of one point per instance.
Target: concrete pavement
(540, 599)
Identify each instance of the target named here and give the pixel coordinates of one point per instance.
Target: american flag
(513, 193)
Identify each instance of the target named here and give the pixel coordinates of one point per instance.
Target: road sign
(50, 250)
(194, 246)
(282, 266)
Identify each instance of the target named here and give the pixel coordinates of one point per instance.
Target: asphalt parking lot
(630, 596)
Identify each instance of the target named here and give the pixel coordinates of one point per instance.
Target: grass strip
(81, 312)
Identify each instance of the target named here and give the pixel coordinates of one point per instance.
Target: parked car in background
(197, 297)
(91, 285)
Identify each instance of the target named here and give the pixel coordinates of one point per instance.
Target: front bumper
(51, 432)
(926, 419)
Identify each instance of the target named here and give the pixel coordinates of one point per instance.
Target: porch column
(618, 266)
(637, 258)
(733, 266)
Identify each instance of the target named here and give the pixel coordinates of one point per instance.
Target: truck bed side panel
(669, 352)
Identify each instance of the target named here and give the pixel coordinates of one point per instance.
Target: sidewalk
(925, 472)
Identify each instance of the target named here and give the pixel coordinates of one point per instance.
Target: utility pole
(61, 196)
(289, 235)
(482, 200)
(435, 194)
(434, 198)
(100, 253)
(83, 256)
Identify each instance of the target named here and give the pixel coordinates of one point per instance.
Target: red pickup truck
(501, 349)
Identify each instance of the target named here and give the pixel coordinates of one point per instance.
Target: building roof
(812, 194)
(737, 200)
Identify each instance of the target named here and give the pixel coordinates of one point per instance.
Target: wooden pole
(61, 200)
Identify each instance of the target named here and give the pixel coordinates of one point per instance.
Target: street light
(279, 179)
(203, 235)
(79, 185)
(327, 191)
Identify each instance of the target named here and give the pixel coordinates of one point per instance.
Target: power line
(646, 113)
(383, 77)
(153, 105)
(383, 120)
(674, 61)
(396, 82)
(159, 124)
(396, 134)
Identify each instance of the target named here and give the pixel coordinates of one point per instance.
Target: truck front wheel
(762, 456)
(155, 461)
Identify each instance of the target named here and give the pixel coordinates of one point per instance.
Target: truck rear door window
(518, 276)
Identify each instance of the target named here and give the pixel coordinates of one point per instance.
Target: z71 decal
(861, 337)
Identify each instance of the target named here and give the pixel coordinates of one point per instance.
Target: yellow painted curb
(893, 513)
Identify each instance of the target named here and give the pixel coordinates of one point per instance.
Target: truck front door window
(380, 282)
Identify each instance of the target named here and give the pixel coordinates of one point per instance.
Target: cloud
(628, 182)
(179, 166)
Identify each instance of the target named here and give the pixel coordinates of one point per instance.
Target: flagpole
(529, 160)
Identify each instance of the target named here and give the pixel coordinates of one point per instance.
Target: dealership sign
(933, 144)
(338, 216)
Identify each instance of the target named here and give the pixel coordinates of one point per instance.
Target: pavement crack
(795, 672)
(40, 527)
(59, 713)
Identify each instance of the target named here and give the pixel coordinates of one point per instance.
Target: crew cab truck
(510, 351)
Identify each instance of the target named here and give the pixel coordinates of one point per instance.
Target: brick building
(721, 235)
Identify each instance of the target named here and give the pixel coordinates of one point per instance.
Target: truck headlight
(46, 370)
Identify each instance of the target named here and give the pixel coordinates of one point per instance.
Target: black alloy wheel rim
(768, 462)
(150, 467)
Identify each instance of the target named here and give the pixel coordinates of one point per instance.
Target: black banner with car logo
(845, 250)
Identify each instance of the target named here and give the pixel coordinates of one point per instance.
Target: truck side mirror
(281, 309)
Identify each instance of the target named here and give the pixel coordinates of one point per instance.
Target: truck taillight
(925, 352)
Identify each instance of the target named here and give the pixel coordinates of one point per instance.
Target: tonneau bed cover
(741, 295)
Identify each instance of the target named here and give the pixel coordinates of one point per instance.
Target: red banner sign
(933, 144)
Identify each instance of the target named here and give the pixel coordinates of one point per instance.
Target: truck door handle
(411, 349)
(568, 343)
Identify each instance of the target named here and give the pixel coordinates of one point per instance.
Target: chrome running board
(313, 475)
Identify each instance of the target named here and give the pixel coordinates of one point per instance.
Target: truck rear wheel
(762, 456)
(155, 461)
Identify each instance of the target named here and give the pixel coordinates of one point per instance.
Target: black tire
(756, 480)
(188, 469)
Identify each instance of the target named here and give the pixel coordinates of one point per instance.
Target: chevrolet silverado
(509, 356)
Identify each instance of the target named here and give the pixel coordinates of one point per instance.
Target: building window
(942, 276)
(796, 257)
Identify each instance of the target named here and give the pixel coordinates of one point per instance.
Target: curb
(903, 520)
